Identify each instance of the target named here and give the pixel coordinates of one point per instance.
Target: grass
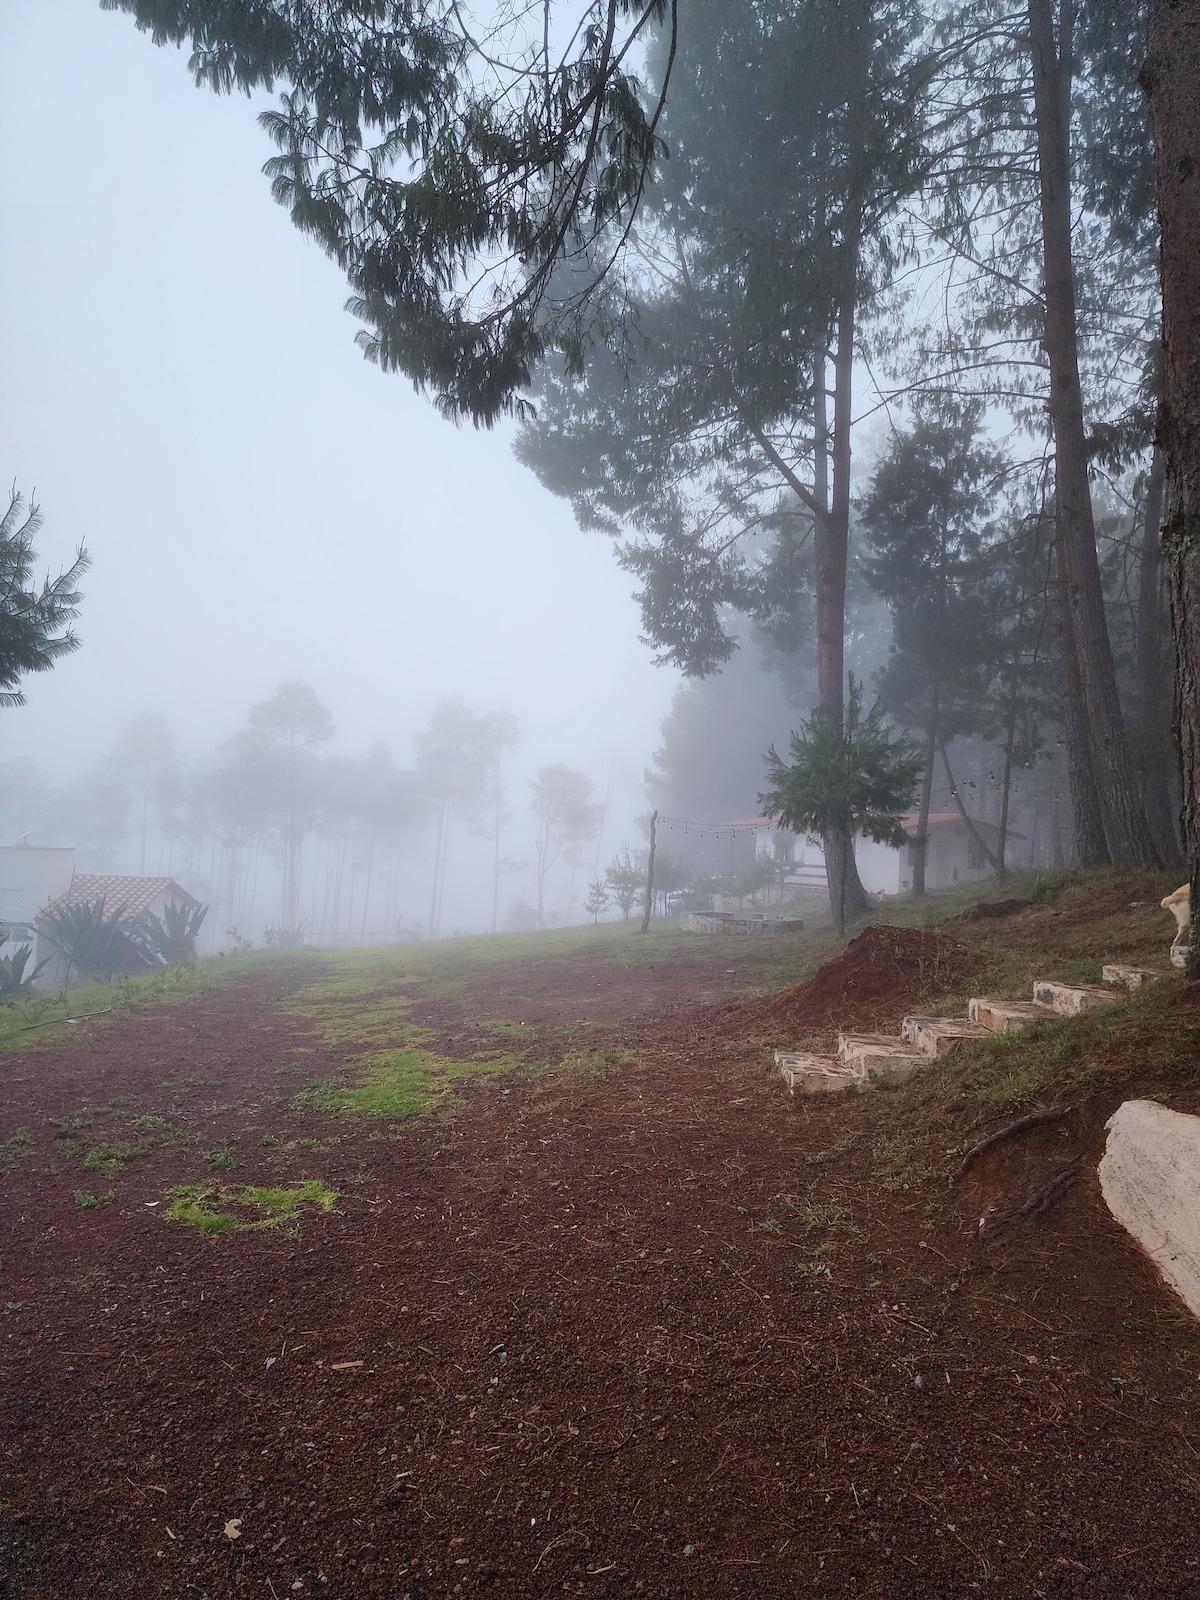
(400, 1083)
(114, 1157)
(206, 1205)
(86, 1201)
(51, 1015)
(18, 1144)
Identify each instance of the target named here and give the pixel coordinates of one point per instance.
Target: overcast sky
(181, 387)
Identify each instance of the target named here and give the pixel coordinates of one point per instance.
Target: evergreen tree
(796, 131)
(925, 514)
(448, 163)
(35, 623)
(855, 779)
(283, 731)
(598, 899)
(566, 819)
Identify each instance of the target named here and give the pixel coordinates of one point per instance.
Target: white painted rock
(1150, 1180)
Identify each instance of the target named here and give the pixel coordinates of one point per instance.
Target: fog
(183, 394)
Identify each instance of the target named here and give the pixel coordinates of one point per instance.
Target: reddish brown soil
(879, 976)
(595, 1348)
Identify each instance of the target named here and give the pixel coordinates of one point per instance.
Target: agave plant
(95, 943)
(172, 937)
(14, 980)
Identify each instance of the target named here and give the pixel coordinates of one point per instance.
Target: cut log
(1150, 1180)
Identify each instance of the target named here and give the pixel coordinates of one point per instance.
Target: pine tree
(35, 623)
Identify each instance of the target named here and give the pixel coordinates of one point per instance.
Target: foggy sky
(181, 387)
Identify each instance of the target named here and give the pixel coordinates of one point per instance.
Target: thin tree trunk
(1010, 734)
(1091, 843)
(831, 543)
(1128, 833)
(650, 873)
(496, 851)
(989, 855)
(1155, 726)
(362, 932)
(920, 845)
(437, 863)
(1172, 79)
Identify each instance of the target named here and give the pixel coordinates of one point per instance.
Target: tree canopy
(451, 159)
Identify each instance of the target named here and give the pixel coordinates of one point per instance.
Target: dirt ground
(655, 1330)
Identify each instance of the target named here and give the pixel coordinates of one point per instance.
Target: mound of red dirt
(879, 977)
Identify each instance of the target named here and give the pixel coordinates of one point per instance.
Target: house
(953, 854)
(136, 897)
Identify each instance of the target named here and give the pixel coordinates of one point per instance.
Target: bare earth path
(647, 1333)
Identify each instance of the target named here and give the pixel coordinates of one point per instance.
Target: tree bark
(1010, 734)
(1091, 843)
(1171, 77)
(1128, 833)
(831, 545)
(647, 908)
(920, 845)
(1154, 718)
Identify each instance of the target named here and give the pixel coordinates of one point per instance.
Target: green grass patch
(87, 1201)
(216, 1208)
(50, 1015)
(401, 1083)
(593, 1064)
(1139, 1045)
(1144, 1035)
(18, 1144)
(115, 1157)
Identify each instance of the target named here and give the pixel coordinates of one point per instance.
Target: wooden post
(650, 875)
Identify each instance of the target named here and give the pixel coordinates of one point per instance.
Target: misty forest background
(814, 398)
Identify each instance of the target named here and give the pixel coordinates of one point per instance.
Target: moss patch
(217, 1208)
(401, 1083)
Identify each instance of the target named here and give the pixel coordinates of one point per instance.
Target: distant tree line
(328, 845)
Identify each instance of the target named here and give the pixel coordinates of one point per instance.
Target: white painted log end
(1150, 1180)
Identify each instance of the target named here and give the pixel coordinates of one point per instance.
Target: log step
(1122, 977)
(1072, 999)
(1002, 1016)
(809, 1074)
(937, 1036)
(881, 1053)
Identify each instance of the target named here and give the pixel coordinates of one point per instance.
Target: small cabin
(135, 896)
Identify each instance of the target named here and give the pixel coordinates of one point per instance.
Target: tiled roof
(133, 895)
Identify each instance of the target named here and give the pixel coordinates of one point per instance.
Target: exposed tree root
(1036, 1119)
(993, 1224)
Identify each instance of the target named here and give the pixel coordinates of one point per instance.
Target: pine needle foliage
(859, 779)
(451, 158)
(35, 622)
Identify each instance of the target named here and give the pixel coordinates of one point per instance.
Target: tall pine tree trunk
(1129, 839)
(1154, 720)
(1091, 845)
(1010, 736)
(920, 845)
(831, 546)
(1172, 80)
